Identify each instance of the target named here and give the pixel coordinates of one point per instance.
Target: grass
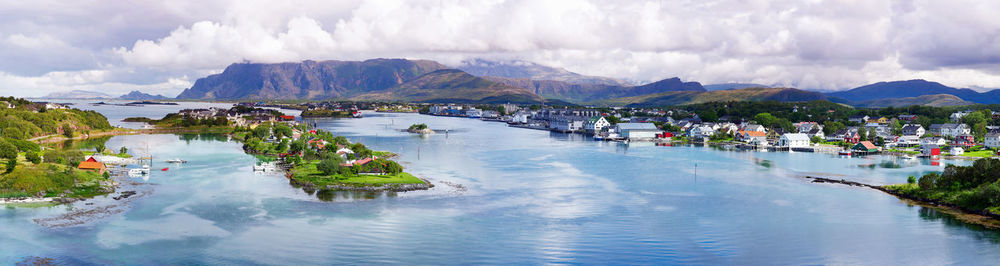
(982, 154)
(308, 173)
(382, 154)
(905, 152)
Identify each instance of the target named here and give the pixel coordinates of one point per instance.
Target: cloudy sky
(118, 46)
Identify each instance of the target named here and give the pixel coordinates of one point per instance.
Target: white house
(520, 118)
(957, 116)
(634, 131)
(956, 151)
(992, 141)
(752, 127)
(913, 130)
(955, 130)
(702, 132)
(596, 123)
(793, 140)
(860, 119)
(933, 141)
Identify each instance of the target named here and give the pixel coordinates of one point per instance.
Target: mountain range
(482, 81)
(78, 94)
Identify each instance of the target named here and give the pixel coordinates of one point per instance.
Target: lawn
(308, 173)
(982, 153)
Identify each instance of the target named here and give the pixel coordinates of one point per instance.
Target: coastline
(983, 218)
(119, 132)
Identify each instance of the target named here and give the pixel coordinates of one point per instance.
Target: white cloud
(808, 44)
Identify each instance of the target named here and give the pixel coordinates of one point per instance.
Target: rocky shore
(984, 218)
(365, 188)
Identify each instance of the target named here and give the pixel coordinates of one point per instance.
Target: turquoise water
(511, 196)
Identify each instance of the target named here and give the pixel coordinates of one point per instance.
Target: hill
(308, 79)
(912, 88)
(453, 86)
(580, 92)
(696, 97)
(78, 94)
(517, 69)
(936, 100)
(138, 95)
(733, 86)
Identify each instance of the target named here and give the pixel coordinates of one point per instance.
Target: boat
(844, 153)
(165, 169)
(176, 161)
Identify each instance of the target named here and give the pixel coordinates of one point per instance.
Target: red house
(665, 135)
(287, 118)
(964, 141)
(852, 137)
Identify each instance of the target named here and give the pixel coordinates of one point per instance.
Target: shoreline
(983, 218)
(60, 138)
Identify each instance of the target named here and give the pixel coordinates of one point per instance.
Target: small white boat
(138, 172)
(176, 161)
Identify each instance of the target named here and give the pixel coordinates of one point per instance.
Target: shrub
(7, 150)
(330, 165)
(33, 157)
(67, 131)
(927, 181)
(911, 180)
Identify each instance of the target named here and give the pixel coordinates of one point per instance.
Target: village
(899, 135)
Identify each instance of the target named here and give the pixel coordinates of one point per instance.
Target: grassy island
(974, 188)
(30, 170)
(327, 113)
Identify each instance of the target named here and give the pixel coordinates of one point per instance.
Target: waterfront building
(92, 164)
(793, 140)
(596, 123)
(950, 130)
(939, 141)
(635, 131)
(865, 146)
(566, 124)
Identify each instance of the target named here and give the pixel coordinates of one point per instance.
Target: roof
(593, 120)
(752, 133)
(360, 162)
(90, 165)
(637, 126)
(867, 145)
(796, 136)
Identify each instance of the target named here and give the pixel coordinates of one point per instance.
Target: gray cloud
(827, 45)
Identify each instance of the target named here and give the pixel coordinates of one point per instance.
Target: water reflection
(980, 232)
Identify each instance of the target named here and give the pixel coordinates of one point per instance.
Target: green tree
(100, 147)
(831, 127)
(7, 150)
(765, 119)
(11, 164)
(67, 131)
(123, 150)
(33, 157)
(330, 165)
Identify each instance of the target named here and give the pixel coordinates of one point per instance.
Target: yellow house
(880, 120)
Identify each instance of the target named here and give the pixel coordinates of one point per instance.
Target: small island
(317, 160)
(420, 129)
(311, 158)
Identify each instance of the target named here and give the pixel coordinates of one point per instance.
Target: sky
(163, 47)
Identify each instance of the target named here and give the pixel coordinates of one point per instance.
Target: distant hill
(936, 100)
(912, 88)
(308, 79)
(578, 92)
(453, 86)
(138, 95)
(733, 86)
(78, 94)
(517, 69)
(695, 97)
